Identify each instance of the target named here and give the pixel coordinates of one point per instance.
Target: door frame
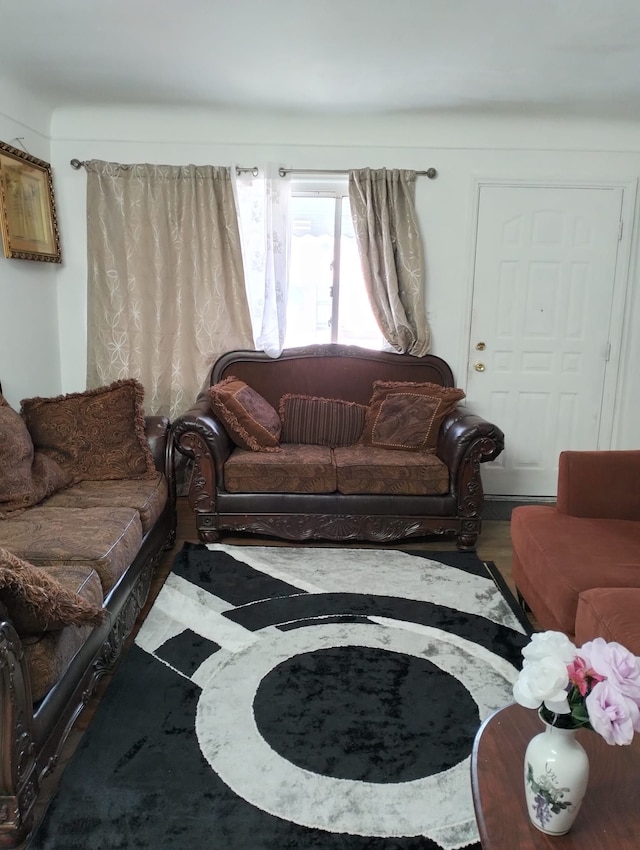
(618, 327)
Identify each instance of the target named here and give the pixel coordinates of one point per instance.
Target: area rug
(282, 697)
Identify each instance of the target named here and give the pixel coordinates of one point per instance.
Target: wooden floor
(494, 545)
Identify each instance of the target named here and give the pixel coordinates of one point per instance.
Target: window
(327, 299)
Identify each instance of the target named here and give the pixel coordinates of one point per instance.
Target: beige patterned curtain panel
(386, 228)
(166, 292)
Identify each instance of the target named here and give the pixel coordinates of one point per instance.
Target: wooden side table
(609, 818)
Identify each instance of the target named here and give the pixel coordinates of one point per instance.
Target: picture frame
(28, 217)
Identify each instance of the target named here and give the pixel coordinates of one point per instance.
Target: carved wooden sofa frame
(346, 372)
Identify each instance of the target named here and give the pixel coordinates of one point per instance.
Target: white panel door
(543, 286)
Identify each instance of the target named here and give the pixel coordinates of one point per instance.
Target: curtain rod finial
(75, 163)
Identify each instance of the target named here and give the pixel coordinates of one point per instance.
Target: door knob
(479, 367)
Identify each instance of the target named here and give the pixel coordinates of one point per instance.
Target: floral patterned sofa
(335, 442)
(87, 507)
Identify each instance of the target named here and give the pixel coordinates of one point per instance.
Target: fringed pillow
(36, 602)
(26, 477)
(249, 420)
(96, 435)
(406, 415)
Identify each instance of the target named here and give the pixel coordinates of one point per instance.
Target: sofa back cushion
(250, 421)
(96, 435)
(406, 415)
(26, 477)
(320, 421)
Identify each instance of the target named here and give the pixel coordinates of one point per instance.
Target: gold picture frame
(27, 207)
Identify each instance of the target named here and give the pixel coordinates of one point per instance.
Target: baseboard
(500, 507)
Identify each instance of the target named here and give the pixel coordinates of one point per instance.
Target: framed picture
(27, 207)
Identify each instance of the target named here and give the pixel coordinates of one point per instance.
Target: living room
(534, 144)
(474, 144)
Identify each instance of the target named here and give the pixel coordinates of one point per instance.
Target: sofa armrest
(160, 437)
(157, 430)
(202, 438)
(465, 441)
(462, 433)
(599, 484)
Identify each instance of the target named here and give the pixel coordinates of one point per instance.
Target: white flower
(541, 681)
(554, 644)
(544, 677)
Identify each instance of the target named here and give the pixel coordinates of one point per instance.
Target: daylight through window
(327, 299)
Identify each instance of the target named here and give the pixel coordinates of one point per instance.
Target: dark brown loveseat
(302, 491)
(76, 561)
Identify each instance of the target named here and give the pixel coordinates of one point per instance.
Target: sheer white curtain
(264, 212)
(166, 292)
(386, 229)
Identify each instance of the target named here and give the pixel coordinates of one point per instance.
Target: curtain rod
(430, 172)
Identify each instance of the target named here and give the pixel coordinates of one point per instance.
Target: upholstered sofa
(87, 506)
(576, 564)
(360, 445)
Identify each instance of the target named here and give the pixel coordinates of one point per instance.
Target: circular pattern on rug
(350, 713)
(232, 744)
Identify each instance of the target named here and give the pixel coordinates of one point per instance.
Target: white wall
(29, 346)
(463, 148)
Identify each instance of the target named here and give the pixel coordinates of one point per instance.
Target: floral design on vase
(547, 795)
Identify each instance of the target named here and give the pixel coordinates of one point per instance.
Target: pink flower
(612, 714)
(619, 666)
(582, 675)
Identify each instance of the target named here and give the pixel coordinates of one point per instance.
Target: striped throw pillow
(320, 421)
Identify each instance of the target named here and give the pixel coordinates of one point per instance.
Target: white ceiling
(560, 56)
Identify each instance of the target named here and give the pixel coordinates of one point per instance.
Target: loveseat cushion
(147, 495)
(369, 470)
(106, 539)
(47, 599)
(26, 477)
(294, 469)
(406, 416)
(612, 613)
(98, 434)
(320, 421)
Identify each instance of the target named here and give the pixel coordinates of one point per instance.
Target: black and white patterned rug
(283, 697)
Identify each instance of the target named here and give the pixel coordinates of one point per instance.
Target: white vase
(556, 772)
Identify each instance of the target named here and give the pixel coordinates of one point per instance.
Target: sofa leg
(467, 542)
(14, 831)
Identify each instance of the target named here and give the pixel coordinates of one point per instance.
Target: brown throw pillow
(249, 419)
(97, 435)
(26, 477)
(406, 415)
(36, 602)
(320, 421)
